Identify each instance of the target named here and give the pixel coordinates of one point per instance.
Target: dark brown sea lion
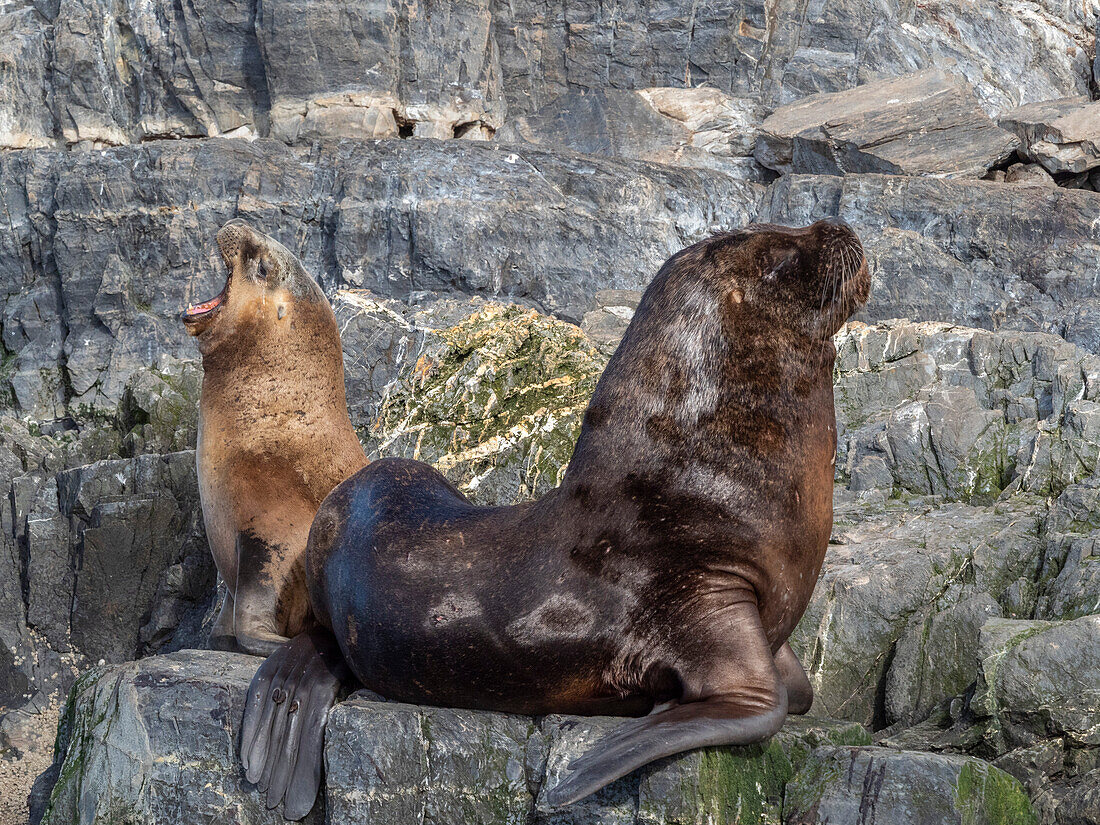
(664, 574)
(274, 435)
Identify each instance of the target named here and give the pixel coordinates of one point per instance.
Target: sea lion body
(667, 570)
(274, 434)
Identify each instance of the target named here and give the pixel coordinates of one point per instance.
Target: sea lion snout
(229, 240)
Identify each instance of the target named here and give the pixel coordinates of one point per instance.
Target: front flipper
(266, 601)
(282, 735)
(733, 695)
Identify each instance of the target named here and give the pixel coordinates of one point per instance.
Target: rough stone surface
(1040, 679)
(903, 788)
(1062, 135)
(929, 123)
(94, 73)
(685, 127)
(370, 137)
(1030, 121)
(495, 403)
(134, 735)
(974, 253)
(98, 262)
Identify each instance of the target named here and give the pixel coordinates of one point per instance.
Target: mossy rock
(495, 403)
(892, 787)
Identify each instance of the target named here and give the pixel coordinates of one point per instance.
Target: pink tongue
(204, 307)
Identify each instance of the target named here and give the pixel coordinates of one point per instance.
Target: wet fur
(673, 561)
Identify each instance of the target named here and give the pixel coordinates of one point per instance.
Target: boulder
(928, 123)
(903, 788)
(1039, 679)
(1030, 122)
(1063, 135)
(155, 741)
(1031, 174)
(495, 402)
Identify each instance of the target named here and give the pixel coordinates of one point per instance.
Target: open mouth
(197, 311)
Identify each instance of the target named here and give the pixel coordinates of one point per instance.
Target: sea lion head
(264, 284)
(806, 280)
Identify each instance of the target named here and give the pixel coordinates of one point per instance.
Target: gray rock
(963, 413)
(902, 788)
(1081, 803)
(1031, 121)
(123, 240)
(155, 740)
(389, 762)
(94, 73)
(613, 122)
(684, 127)
(1032, 765)
(610, 315)
(1039, 679)
(105, 562)
(1031, 174)
(977, 253)
(889, 574)
(1062, 135)
(928, 123)
(434, 71)
(127, 72)
(26, 116)
(934, 658)
(1070, 574)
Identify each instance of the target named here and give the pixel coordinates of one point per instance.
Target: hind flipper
(733, 695)
(282, 735)
(800, 693)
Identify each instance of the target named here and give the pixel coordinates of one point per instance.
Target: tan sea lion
(663, 576)
(274, 434)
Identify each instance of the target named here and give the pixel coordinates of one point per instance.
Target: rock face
(903, 788)
(686, 127)
(467, 180)
(929, 123)
(99, 260)
(94, 73)
(973, 253)
(104, 248)
(1040, 679)
(155, 741)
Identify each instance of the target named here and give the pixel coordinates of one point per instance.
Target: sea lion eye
(263, 269)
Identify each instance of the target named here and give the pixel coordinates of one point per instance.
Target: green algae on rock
(495, 403)
(891, 787)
